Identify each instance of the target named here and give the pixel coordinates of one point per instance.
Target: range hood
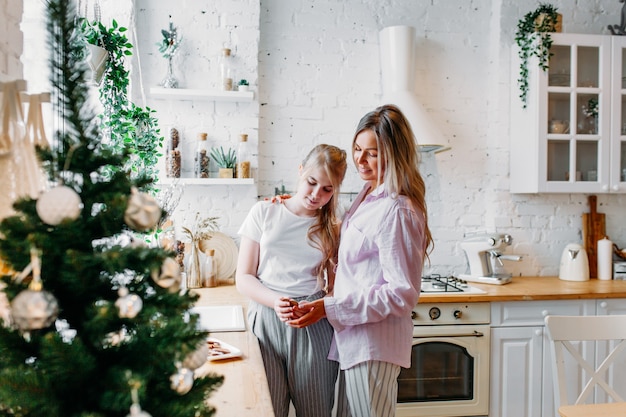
(397, 59)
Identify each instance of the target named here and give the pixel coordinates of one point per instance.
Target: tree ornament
(33, 308)
(135, 408)
(129, 305)
(198, 357)
(58, 204)
(168, 276)
(182, 381)
(143, 212)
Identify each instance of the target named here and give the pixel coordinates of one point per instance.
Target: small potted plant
(225, 160)
(243, 85)
(533, 39)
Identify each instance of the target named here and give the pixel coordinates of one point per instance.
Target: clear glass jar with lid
(244, 154)
(226, 70)
(201, 157)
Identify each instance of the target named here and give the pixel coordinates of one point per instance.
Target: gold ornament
(168, 276)
(129, 305)
(143, 212)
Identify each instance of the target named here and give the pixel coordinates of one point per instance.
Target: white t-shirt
(287, 261)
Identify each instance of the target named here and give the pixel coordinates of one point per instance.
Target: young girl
(384, 240)
(286, 255)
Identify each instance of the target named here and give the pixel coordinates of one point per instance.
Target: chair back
(563, 332)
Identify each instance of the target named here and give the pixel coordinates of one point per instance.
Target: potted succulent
(243, 85)
(533, 39)
(225, 160)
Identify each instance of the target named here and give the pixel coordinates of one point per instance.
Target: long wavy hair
(400, 159)
(324, 233)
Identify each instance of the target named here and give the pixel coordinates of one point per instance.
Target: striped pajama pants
(296, 362)
(369, 389)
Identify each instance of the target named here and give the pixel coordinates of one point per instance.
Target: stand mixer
(484, 253)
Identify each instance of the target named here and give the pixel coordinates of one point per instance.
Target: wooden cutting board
(593, 230)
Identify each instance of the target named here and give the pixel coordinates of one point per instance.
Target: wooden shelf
(207, 181)
(200, 94)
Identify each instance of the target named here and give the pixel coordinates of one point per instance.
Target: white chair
(563, 331)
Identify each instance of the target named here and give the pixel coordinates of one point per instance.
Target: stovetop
(449, 285)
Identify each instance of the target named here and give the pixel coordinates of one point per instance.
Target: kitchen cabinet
(521, 373)
(521, 356)
(571, 137)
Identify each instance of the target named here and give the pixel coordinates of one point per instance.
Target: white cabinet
(521, 374)
(571, 137)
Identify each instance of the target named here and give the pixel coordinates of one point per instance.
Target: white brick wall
(317, 73)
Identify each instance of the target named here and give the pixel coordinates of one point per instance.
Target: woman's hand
(307, 313)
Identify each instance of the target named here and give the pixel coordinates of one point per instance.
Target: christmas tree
(98, 324)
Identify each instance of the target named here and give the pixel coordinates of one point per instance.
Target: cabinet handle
(604, 304)
(545, 313)
(616, 187)
(538, 332)
(605, 187)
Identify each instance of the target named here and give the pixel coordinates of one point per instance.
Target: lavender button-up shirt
(378, 280)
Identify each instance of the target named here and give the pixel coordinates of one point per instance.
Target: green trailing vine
(533, 39)
(131, 128)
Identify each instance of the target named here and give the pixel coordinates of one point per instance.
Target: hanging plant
(533, 39)
(130, 128)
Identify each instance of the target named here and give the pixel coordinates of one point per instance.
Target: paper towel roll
(605, 259)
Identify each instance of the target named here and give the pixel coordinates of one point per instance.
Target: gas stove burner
(438, 284)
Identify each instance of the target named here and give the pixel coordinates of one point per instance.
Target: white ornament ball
(168, 276)
(182, 381)
(128, 305)
(33, 310)
(136, 411)
(143, 212)
(58, 204)
(198, 357)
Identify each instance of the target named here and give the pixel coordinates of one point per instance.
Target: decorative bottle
(226, 70)
(201, 158)
(244, 155)
(209, 270)
(173, 158)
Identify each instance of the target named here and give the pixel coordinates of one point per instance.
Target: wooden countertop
(535, 288)
(244, 392)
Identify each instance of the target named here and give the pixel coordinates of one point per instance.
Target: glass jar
(209, 270)
(244, 154)
(226, 70)
(201, 157)
(173, 158)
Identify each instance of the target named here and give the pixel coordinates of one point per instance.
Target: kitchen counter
(535, 288)
(244, 392)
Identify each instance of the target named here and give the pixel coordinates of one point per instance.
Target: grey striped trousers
(296, 362)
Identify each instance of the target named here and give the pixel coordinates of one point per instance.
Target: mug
(558, 126)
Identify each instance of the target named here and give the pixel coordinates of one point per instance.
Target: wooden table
(244, 391)
(594, 410)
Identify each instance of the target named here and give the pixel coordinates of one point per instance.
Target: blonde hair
(324, 233)
(398, 148)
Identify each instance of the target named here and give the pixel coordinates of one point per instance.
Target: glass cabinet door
(618, 127)
(576, 89)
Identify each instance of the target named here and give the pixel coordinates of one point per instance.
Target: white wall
(318, 73)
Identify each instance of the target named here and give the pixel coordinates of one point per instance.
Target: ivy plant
(533, 39)
(129, 128)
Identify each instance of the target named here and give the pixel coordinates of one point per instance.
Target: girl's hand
(284, 307)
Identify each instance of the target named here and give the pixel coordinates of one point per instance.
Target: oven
(449, 373)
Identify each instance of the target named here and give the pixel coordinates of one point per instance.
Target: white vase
(98, 58)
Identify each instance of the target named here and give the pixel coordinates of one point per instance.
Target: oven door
(449, 373)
